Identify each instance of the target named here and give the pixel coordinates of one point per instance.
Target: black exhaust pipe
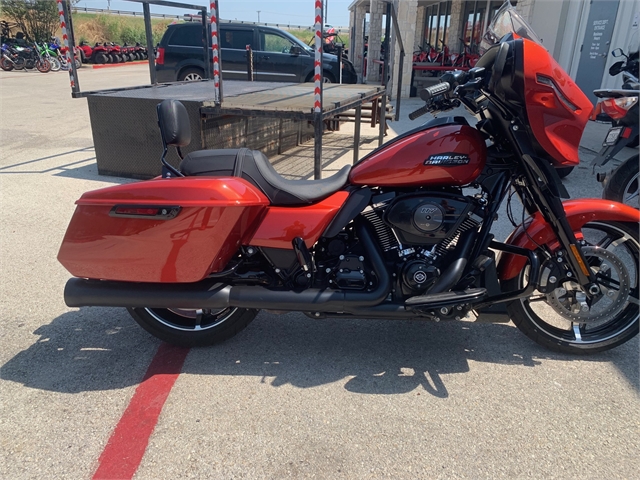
(81, 292)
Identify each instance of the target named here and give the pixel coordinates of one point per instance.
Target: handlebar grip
(418, 113)
(428, 93)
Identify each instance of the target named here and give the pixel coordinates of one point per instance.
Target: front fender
(579, 212)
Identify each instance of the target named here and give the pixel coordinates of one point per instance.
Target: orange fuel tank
(448, 154)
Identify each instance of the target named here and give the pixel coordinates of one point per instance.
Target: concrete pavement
(289, 396)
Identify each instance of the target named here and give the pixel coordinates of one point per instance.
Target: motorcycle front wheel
(6, 65)
(622, 185)
(193, 328)
(43, 66)
(563, 319)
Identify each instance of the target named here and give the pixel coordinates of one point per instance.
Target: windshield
(506, 20)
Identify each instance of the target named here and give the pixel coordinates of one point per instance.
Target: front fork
(541, 192)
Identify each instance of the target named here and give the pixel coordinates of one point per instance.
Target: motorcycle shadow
(94, 349)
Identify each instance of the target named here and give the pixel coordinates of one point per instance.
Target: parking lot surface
(289, 397)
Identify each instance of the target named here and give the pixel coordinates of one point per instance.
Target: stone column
(410, 28)
(356, 54)
(455, 27)
(420, 18)
(376, 10)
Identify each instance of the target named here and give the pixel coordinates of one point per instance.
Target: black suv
(278, 56)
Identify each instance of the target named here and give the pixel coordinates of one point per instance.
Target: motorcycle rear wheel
(55, 64)
(623, 183)
(193, 328)
(555, 320)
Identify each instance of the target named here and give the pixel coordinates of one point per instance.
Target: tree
(37, 19)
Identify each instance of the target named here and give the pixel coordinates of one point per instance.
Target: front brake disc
(570, 301)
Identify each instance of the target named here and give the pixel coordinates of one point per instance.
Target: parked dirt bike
(425, 54)
(620, 106)
(468, 58)
(61, 54)
(195, 254)
(51, 55)
(443, 57)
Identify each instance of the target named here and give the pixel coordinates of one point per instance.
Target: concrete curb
(109, 65)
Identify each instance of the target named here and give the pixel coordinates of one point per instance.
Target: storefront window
(437, 24)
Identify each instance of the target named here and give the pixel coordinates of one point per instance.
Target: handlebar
(428, 93)
(418, 113)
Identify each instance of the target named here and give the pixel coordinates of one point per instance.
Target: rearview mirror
(615, 69)
(295, 50)
(617, 52)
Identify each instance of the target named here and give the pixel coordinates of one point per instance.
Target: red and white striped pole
(317, 104)
(317, 94)
(216, 51)
(65, 41)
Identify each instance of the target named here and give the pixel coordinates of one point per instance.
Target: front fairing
(557, 110)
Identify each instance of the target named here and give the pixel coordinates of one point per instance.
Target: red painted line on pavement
(125, 449)
(110, 65)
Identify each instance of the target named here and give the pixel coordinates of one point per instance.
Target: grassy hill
(100, 27)
(94, 28)
(119, 28)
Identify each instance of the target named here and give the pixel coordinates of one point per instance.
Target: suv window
(186, 37)
(272, 42)
(238, 39)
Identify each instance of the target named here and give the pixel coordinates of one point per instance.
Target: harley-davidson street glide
(403, 234)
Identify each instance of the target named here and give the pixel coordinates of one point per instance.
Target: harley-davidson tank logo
(448, 159)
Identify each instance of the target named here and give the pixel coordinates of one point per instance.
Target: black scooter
(620, 107)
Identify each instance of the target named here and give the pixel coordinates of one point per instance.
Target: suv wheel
(326, 77)
(191, 75)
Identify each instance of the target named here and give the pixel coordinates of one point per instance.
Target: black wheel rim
(578, 333)
(630, 192)
(189, 320)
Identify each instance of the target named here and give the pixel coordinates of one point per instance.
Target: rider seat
(250, 165)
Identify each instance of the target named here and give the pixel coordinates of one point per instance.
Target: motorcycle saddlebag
(162, 230)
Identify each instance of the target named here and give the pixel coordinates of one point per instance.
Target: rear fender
(578, 212)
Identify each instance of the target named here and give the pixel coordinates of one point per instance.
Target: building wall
(627, 25)
(561, 25)
(545, 19)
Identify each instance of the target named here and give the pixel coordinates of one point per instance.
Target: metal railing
(122, 12)
(197, 18)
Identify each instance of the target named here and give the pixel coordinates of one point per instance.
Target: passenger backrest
(173, 121)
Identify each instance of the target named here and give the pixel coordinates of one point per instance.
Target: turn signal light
(617, 108)
(155, 212)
